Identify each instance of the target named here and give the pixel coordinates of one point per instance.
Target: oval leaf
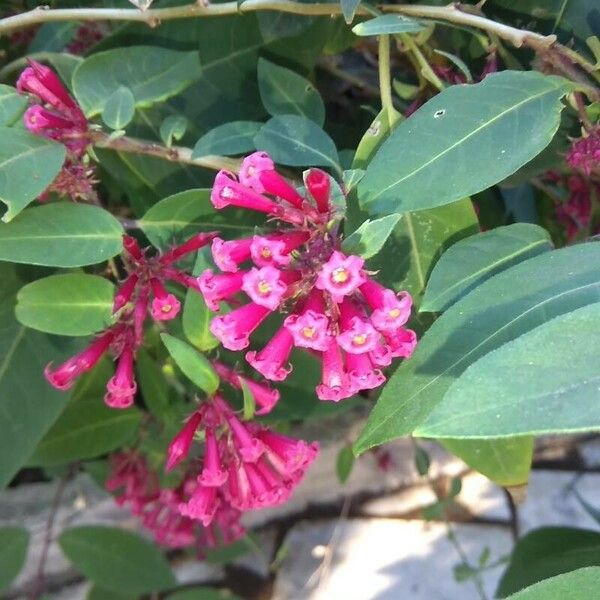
(28, 165)
(13, 549)
(387, 24)
(284, 92)
(85, 430)
(370, 237)
(12, 105)
(70, 304)
(151, 74)
(297, 141)
(61, 235)
(470, 137)
(502, 308)
(582, 584)
(119, 108)
(236, 137)
(471, 261)
(173, 128)
(117, 560)
(523, 387)
(194, 365)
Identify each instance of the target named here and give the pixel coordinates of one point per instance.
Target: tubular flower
(142, 291)
(332, 306)
(244, 467)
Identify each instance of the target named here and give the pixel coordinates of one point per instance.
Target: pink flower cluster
(143, 290)
(139, 489)
(58, 117)
(245, 466)
(584, 153)
(332, 307)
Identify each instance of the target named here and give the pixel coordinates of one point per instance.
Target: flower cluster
(584, 153)
(333, 308)
(58, 117)
(139, 489)
(245, 466)
(141, 292)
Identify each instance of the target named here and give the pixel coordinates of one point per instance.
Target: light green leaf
(457, 62)
(370, 237)
(297, 142)
(523, 387)
(471, 261)
(119, 108)
(349, 8)
(152, 75)
(499, 310)
(12, 106)
(582, 584)
(470, 137)
(61, 235)
(388, 24)
(249, 401)
(231, 138)
(70, 304)
(85, 430)
(194, 365)
(173, 128)
(284, 92)
(28, 165)
(116, 559)
(13, 550)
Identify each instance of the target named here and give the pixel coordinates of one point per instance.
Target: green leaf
(12, 106)
(85, 430)
(471, 261)
(370, 237)
(70, 304)
(98, 593)
(502, 308)
(151, 74)
(194, 365)
(13, 550)
(196, 320)
(523, 387)
(61, 235)
(297, 142)
(28, 404)
(202, 593)
(28, 165)
(349, 8)
(116, 559)
(502, 123)
(119, 108)
(173, 128)
(284, 92)
(547, 552)
(249, 401)
(582, 584)
(181, 215)
(344, 463)
(388, 24)
(231, 138)
(153, 384)
(457, 62)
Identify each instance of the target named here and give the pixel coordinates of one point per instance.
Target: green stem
(426, 70)
(385, 81)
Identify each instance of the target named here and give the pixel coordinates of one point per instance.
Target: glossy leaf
(582, 584)
(116, 559)
(85, 430)
(12, 106)
(297, 141)
(502, 308)
(284, 92)
(152, 75)
(173, 128)
(387, 24)
(523, 387)
(236, 137)
(471, 261)
(502, 123)
(547, 552)
(194, 365)
(28, 165)
(61, 235)
(370, 237)
(13, 550)
(70, 304)
(152, 382)
(119, 108)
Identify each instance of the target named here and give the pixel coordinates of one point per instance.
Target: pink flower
(227, 191)
(390, 310)
(192, 245)
(164, 305)
(272, 361)
(319, 187)
(363, 376)
(215, 288)
(212, 474)
(309, 330)
(202, 505)
(584, 154)
(179, 448)
(340, 275)
(264, 286)
(358, 336)
(125, 292)
(121, 389)
(401, 342)
(275, 250)
(233, 329)
(229, 255)
(335, 383)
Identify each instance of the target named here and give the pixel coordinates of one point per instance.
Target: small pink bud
(179, 448)
(272, 361)
(192, 245)
(318, 184)
(125, 292)
(233, 329)
(122, 387)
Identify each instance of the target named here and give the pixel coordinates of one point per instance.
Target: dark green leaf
(370, 237)
(85, 430)
(116, 559)
(387, 24)
(344, 463)
(502, 123)
(98, 593)
(202, 593)
(28, 165)
(13, 549)
(422, 461)
(119, 108)
(194, 365)
(236, 137)
(61, 235)
(471, 261)
(70, 304)
(582, 584)
(153, 384)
